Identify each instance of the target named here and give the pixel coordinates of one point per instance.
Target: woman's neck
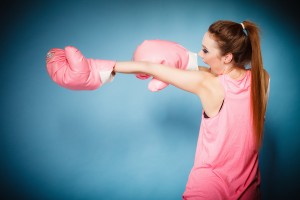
(235, 72)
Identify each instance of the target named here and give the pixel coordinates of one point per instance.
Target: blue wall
(123, 141)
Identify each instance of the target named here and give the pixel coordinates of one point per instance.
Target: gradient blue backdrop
(123, 141)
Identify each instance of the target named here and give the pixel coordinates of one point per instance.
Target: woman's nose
(200, 53)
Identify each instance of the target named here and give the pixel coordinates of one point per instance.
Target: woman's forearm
(130, 67)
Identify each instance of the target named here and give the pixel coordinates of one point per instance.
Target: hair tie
(244, 29)
(243, 26)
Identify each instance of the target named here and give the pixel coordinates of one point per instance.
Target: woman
(234, 100)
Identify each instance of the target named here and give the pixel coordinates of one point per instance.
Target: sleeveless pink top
(226, 160)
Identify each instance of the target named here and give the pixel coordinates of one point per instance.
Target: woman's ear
(228, 58)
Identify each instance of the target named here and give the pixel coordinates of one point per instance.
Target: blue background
(123, 141)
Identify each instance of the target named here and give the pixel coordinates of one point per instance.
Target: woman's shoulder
(202, 68)
(207, 74)
(266, 74)
(212, 92)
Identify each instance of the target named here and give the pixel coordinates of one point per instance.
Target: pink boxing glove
(70, 69)
(167, 53)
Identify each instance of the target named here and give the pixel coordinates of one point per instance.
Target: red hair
(243, 41)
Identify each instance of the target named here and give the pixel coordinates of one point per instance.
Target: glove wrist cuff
(193, 62)
(106, 76)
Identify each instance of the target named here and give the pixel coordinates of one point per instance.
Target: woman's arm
(191, 81)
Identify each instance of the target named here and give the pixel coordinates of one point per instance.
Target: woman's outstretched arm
(70, 69)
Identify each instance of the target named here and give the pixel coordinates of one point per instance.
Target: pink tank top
(226, 160)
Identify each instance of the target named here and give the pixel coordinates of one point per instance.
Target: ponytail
(258, 83)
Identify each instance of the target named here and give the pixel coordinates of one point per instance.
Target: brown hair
(243, 41)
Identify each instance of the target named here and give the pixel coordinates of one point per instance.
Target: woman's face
(211, 55)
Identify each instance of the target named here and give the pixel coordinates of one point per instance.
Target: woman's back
(226, 160)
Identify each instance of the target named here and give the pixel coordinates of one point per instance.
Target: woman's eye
(204, 51)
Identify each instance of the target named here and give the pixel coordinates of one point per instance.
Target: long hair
(243, 41)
